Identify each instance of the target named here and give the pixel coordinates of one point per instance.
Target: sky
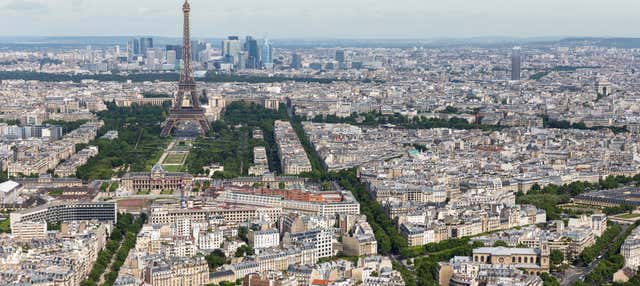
(313, 19)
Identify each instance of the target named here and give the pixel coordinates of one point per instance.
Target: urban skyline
(248, 161)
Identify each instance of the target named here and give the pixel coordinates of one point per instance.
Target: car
(599, 257)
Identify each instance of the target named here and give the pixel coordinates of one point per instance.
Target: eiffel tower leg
(168, 126)
(204, 125)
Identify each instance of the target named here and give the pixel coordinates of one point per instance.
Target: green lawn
(166, 192)
(628, 216)
(175, 158)
(173, 168)
(143, 192)
(5, 226)
(181, 146)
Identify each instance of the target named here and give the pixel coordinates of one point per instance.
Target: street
(573, 274)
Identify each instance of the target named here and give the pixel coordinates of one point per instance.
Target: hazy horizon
(328, 19)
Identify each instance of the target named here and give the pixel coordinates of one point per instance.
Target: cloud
(26, 6)
(77, 5)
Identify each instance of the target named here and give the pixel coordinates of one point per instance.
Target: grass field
(5, 225)
(166, 192)
(173, 168)
(628, 216)
(175, 158)
(182, 146)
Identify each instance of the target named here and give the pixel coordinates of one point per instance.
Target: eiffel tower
(186, 105)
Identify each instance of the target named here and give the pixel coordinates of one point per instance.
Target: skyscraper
(197, 47)
(177, 49)
(340, 56)
(145, 44)
(135, 47)
(171, 57)
(516, 62)
(267, 54)
(296, 61)
(253, 52)
(231, 48)
(242, 60)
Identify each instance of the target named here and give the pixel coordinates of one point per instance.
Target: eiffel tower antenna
(186, 105)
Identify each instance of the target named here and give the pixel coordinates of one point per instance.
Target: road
(574, 274)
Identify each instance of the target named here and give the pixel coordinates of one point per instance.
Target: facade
(463, 271)
(156, 180)
(530, 260)
(68, 211)
(178, 272)
(331, 203)
(229, 214)
(630, 250)
(264, 238)
(274, 260)
(268, 180)
(320, 239)
(29, 230)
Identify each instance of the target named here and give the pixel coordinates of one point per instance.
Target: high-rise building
(296, 61)
(267, 54)
(133, 47)
(340, 56)
(152, 57)
(516, 62)
(145, 45)
(197, 47)
(242, 60)
(171, 57)
(231, 48)
(177, 49)
(253, 52)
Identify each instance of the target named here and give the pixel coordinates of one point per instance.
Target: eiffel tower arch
(186, 105)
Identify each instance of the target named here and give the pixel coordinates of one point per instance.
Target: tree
(450, 109)
(243, 231)
(549, 280)
(499, 243)
(215, 259)
(535, 187)
(556, 257)
(244, 250)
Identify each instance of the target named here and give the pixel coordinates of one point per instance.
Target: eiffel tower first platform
(186, 105)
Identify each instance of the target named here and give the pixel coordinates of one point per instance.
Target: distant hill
(625, 43)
